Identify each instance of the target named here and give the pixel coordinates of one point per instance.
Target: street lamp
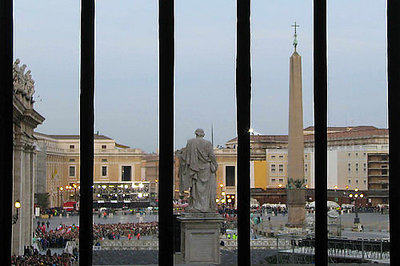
(61, 193)
(223, 200)
(75, 186)
(15, 217)
(355, 196)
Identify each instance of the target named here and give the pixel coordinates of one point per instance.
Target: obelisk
(296, 196)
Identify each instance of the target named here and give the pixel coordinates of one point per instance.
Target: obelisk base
(200, 238)
(296, 207)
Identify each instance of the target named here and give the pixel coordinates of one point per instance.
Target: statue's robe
(198, 168)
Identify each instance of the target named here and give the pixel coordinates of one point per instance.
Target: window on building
(384, 170)
(273, 180)
(230, 176)
(356, 167)
(72, 160)
(72, 171)
(349, 181)
(356, 153)
(272, 156)
(281, 168)
(281, 156)
(306, 168)
(104, 147)
(126, 173)
(305, 155)
(280, 180)
(356, 181)
(71, 147)
(273, 168)
(104, 160)
(349, 154)
(104, 170)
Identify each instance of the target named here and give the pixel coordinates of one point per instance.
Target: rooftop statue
(23, 82)
(197, 172)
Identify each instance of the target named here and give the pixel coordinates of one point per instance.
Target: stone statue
(197, 171)
(30, 85)
(23, 83)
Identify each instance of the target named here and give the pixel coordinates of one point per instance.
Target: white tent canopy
(347, 206)
(329, 204)
(254, 203)
(272, 205)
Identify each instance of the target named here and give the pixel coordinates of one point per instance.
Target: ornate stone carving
(23, 82)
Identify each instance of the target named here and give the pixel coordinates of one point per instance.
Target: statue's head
(199, 132)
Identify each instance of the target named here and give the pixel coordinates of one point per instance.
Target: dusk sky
(47, 40)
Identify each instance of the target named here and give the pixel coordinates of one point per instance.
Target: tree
(43, 200)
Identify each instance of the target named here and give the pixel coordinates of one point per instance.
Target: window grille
(166, 74)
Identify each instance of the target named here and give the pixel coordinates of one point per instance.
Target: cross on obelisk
(295, 35)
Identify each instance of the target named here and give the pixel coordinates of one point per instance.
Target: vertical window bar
(393, 33)
(6, 128)
(243, 94)
(166, 131)
(320, 137)
(86, 132)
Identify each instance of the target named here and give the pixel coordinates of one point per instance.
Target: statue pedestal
(200, 238)
(296, 207)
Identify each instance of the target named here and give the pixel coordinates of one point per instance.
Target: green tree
(296, 183)
(43, 200)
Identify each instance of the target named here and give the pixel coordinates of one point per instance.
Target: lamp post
(223, 200)
(356, 196)
(61, 200)
(15, 217)
(75, 186)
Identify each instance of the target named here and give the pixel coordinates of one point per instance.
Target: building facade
(357, 159)
(58, 172)
(25, 120)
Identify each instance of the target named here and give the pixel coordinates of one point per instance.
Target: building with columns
(58, 171)
(26, 119)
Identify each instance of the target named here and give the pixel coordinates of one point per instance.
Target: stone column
(296, 137)
(296, 200)
(32, 195)
(25, 198)
(16, 228)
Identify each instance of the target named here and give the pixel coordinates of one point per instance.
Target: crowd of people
(33, 257)
(58, 237)
(129, 230)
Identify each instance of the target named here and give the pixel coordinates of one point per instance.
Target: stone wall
(25, 120)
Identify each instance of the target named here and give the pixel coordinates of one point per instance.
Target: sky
(47, 36)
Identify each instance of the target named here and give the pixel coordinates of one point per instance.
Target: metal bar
(166, 131)
(6, 129)
(243, 95)
(393, 32)
(320, 136)
(86, 131)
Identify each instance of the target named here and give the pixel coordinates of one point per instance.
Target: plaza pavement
(375, 225)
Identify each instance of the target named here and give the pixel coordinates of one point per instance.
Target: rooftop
(333, 134)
